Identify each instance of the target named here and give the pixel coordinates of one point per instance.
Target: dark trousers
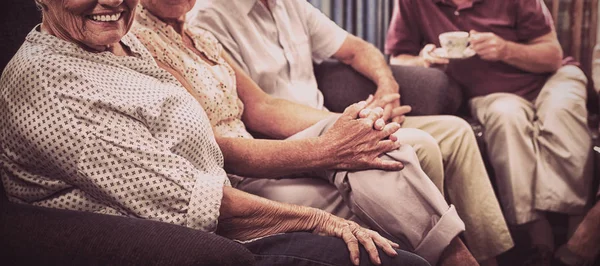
(310, 249)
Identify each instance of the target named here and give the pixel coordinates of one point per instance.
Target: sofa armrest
(33, 235)
(427, 90)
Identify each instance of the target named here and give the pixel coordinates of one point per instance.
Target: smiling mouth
(105, 18)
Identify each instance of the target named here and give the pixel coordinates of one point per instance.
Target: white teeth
(106, 18)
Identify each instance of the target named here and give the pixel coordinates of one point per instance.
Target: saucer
(441, 53)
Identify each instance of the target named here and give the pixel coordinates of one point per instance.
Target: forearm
(273, 158)
(278, 118)
(367, 60)
(244, 216)
(535, 58)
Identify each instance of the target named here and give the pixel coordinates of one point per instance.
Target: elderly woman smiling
(399, 204)
(91, 123)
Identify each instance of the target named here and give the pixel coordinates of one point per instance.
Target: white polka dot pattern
(101, 133)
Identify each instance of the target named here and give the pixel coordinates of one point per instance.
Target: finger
(384, 244)
(365, 239)
(379, 124)
(393, 244)
(378, 111)
(387, 145)
(399, 119)
(352, 244)
(353, 110)
(401, 110)
(364, 113)
(389, 129)
(386, 165)
(387, 112)
(374, 115)
(369, 99)
(428, 48)
(438, 60)
(385, 99)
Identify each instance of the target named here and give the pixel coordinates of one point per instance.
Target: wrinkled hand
(428, 59)
(392, 109)
(488, 45)
(327, 224)
(354, 144)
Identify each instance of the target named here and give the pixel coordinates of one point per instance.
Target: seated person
(532, 108)
(404, 205)
(91, 123)
(274, 42)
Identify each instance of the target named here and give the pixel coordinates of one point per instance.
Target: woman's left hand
(329, 225)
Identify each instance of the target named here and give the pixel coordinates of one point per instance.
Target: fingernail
(362, 103)
(356, 261)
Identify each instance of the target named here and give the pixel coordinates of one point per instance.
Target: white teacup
(454, 43)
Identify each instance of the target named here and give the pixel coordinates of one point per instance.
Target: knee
(505, 111)
(425, 145)
(571, 72)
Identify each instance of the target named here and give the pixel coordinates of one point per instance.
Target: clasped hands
(361, 135)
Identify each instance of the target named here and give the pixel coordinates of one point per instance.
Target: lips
(106, 17)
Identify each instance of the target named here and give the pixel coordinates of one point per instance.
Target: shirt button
(456, 13)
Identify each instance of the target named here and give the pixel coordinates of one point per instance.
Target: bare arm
(540, 55)
(244, 216)
(349, 144)
(276, 118)
(368, 60)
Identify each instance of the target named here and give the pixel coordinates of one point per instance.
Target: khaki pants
(450, 156)
(404, 206)
(539, 150)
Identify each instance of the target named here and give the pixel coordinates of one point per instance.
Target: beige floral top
(214, 85)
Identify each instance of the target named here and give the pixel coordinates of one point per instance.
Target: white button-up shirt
(276, 48)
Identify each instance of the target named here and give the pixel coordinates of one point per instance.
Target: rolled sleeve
(97, 157)
(533, 20)
(403, 35)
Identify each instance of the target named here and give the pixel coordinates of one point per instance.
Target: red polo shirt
(419, 22)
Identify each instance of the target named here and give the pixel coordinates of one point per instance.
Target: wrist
(387, 85)
(508, 53)
(323, 149)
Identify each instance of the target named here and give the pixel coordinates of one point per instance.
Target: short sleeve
(533, 20)
(56, 123)
(403, 35)
(209, 19)
(326, 37)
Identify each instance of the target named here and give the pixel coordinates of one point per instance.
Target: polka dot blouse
(103, 133)
(214, 85)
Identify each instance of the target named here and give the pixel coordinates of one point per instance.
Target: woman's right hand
(353, 142)
(327, 224)
(428, 59)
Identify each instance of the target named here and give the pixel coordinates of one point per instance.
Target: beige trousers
(404, 206)
(539, 150)
(450, 156)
